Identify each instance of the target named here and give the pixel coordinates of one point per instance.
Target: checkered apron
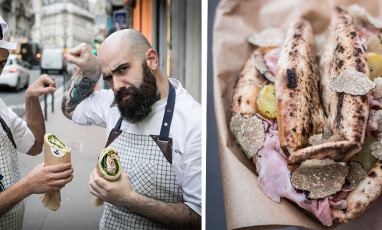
(9, 175)
(150, 172)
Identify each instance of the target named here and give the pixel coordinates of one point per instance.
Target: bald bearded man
(154, 124)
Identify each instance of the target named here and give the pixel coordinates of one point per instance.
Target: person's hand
(117, 192)
(43, 85)
(44, 179)
(83, 57)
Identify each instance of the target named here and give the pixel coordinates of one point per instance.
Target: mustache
(123, 93)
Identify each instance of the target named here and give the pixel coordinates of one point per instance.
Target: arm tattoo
(80, 88)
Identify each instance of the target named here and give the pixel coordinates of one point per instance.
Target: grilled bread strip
(247, 88)
(346, 114)
(299, 112)
(360, 198)
(245, 125)
(350, 119)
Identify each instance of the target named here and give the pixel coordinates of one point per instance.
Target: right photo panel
(294, 115)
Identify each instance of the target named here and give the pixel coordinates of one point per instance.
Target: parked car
(52, 61)
(15, 74)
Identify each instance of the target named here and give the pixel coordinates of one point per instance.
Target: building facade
(20, 18)
(66, 24)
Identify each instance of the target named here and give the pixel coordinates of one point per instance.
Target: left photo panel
(101, 114)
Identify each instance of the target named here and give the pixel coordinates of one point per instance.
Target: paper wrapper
(246, 206)
(53, 156)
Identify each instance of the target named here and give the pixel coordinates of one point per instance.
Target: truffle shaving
(376, 149)
(356, 174)
(319, 178)
(362, 17)
(262, 68)
(268, 37)
(249, 133)
(352, 82)
(318, 139)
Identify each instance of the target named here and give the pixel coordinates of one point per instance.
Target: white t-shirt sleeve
(192, 171)
(91, 111)
(22, 135)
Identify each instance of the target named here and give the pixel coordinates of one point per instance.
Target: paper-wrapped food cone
(55, 152)
(108, 167)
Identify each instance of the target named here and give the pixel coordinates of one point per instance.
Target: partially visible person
(25, 137)
(154, 124)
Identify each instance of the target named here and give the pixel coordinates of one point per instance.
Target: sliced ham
(274, 180)
(339, 200)
(271, 59)
(342, 204)
(374, 124)
(110, 164)
(375, 103)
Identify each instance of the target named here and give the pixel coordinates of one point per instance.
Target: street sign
(120, 18)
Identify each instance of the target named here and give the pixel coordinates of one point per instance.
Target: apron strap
(114, 133)
(8, 131)
(165, 147)
(168, 112)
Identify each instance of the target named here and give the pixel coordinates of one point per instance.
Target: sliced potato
(364, 156)
(266, 102)
(374, 45)
(375, 64)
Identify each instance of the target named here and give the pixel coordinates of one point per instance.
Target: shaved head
(134, 41)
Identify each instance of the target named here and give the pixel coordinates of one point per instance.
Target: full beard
(139, 104)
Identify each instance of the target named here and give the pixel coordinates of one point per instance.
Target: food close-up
(306, 110)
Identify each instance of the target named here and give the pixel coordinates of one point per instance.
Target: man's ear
(151, 57)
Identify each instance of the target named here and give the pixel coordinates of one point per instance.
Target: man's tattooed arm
(80, 88)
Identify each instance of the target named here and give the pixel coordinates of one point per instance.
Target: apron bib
(147, 161)
(9, 175)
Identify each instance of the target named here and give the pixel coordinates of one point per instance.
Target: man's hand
(117, 192)
(173, 215)
(43, 85)
(44, 179)
(40, 180)
(83, 57)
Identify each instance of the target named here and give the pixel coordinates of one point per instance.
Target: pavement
(76, 211)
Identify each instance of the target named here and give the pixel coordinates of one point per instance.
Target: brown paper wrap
(246, 206)
(52, 200)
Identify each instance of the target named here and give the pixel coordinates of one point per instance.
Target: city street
(16, 100)
(76, 211)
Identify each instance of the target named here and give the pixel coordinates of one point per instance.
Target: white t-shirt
(22, 135)
(185, 130)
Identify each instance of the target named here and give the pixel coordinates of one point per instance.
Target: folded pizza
(108, 167)
(55, 152)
